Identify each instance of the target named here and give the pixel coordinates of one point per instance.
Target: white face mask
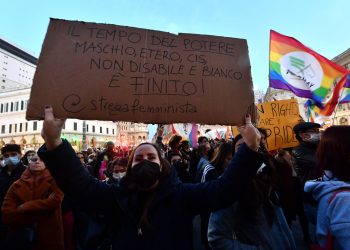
(314, 138)
(118, 176)
(90, 160)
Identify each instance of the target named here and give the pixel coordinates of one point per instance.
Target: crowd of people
(233, 194)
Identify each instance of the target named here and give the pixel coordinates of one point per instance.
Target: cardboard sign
(109, 72)
(279, 118)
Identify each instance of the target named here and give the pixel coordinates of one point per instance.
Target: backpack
(329, 239)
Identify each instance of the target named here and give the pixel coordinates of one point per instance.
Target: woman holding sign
(150, 209)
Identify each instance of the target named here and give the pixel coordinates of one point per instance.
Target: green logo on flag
(296, 62)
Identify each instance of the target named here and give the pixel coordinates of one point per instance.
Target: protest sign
(279, 118)
(107, 72)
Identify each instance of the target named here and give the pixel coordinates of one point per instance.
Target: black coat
(173, 205)
(6, 180)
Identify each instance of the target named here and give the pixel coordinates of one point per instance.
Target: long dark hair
(333, 152)
(259, 193)
(166, 170)
(220, 155)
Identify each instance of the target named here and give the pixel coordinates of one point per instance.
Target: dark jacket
(173, 205)
(6, 180)
(304, 161)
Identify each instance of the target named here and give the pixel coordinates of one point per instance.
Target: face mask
(145, 174)
(90, 160)
(314, 138)
(14, 160)
(118, 176)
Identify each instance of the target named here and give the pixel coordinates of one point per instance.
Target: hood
(324, 185)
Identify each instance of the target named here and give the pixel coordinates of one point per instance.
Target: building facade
(341, 116)
(17, 68)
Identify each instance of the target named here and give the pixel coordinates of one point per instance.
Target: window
(3, 129)
(100, 130)
(22, 105)
(113, 131)
(16, 128)
(26, 126)
(11, 109)
(16, 106)
(93, 129)
(75, 126)
(10, 129)
(35, 126)
(87, 127)
(20, 127)
(2, 108)
(107, 131)
(6, 107)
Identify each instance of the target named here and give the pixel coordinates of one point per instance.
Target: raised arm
(66, 168)
(214, 195)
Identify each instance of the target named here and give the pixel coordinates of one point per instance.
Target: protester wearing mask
(27, 155)
(151, 209)
(118, 170)
(11, 172)
(86, 166)
(33, 203)
(177, 162)
(304, 155)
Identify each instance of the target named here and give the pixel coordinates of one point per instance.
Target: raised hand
(250, 134)
(52, 129)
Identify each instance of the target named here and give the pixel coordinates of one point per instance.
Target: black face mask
(145, 174)
(179, 165)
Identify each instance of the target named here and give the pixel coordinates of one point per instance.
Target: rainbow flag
(188, 131)
(295, 67)
(345, 95)
(340, 94)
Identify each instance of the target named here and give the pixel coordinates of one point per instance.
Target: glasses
(33, 159)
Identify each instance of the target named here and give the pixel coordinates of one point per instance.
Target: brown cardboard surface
(107, 72)
(279, 118)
